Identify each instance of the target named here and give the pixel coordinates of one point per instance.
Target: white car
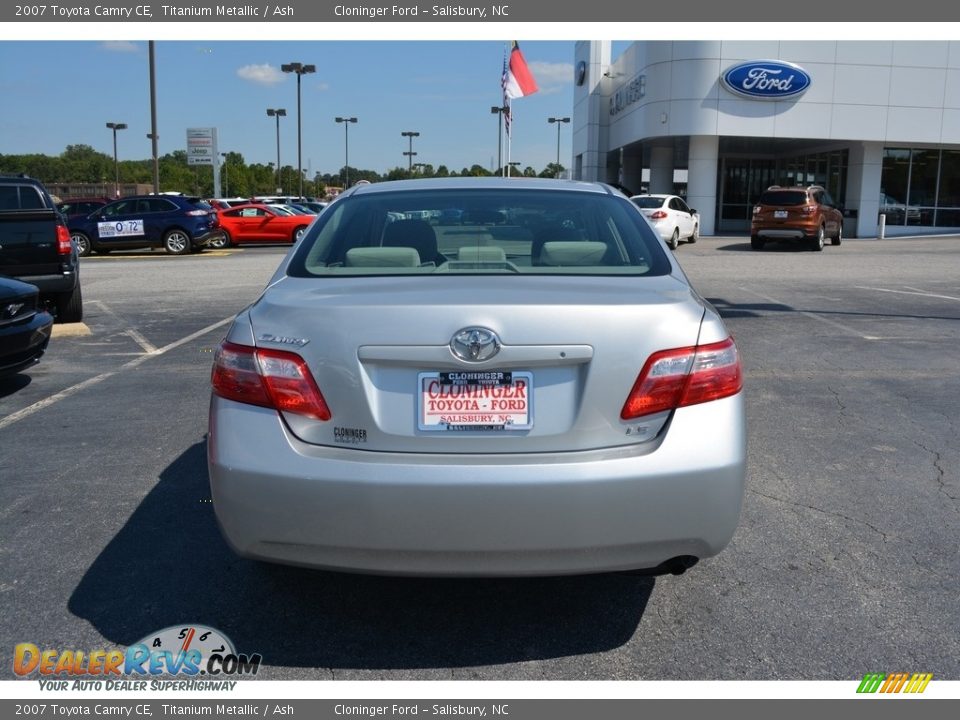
(671, 217)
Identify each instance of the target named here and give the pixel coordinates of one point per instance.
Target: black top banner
(477, 11)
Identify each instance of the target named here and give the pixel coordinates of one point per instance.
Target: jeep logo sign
(766, 80)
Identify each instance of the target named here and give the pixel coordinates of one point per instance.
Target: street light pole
(116, 164)
(226, 175)
(558, 121)
(300, 69)
(346, 141)
(278, 113)
(410, 134)
(499, 111)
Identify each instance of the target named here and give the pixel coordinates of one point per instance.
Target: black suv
(35, 245)
(177, 223)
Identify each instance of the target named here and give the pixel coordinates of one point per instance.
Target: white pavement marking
(140, 340)
(131, 331)
(814, 316)
(73, 389)
(915, 291)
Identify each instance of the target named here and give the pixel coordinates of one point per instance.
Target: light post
(226, 175)
(420, 167)
(346, 149)
(410, 134)
(558, 121)
(116, 164)
(499, 111)
(277, 113)
(300, 69)
(514, 164)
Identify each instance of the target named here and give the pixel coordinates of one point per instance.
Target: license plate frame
(475, 401)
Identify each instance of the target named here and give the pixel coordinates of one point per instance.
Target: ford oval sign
(766, 80)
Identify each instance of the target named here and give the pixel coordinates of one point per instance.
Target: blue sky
(64, 93)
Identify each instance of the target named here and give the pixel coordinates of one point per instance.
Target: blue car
(177, 223)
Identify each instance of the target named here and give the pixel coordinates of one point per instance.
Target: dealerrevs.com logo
(184, 651)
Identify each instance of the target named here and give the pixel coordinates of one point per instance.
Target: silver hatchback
(536, 390)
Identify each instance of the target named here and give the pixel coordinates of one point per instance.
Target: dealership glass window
(920, 187)
(894, 183)
(949, 191)
(924, 168)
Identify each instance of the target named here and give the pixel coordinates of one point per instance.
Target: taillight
(808, 209)
(658, 215)
(756, 209)
(64, 246)
(685, 376)
(269, 378)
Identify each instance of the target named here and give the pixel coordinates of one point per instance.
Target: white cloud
(261, 74)
(551, 77)
(119, 46)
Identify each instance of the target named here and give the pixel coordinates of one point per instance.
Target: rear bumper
(205, 239)
(54, 283)
(24, 343)
(279, 499)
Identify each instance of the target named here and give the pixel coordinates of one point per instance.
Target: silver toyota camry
(478, 377)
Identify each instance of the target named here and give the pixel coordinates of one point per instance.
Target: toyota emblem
(475, 344)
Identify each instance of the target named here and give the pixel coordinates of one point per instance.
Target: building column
(633, 169)
(589, 117)
(661, 170)
(865, 165)
(702, 179)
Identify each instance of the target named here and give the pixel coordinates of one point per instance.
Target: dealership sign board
(201, 146)
(766, 80)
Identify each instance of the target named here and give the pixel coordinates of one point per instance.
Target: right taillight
(269, 378)
(685, 376)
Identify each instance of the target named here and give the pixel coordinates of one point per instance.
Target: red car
(255, 222)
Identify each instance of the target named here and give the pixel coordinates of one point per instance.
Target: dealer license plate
(120, 228)
(475, 401)
(780, 214)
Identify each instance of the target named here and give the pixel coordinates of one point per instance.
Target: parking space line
(140, 340)
(164, 256)
(131, 331)
(814, 316)
(89, 382)
(911, 291)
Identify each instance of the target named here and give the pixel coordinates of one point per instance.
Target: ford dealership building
(877, 123)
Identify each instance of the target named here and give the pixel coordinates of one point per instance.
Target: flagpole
(509, 140)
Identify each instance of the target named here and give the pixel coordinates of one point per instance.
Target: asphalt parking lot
(846, 561)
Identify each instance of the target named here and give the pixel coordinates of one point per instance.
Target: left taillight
(64, 246)
(269, 378)
(680, 377)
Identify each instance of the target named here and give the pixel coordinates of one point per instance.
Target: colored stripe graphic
(918, 683)
(870, 683)
(894, 683)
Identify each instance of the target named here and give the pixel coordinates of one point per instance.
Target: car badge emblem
(13, 309)
(283, 340)
(475, 344)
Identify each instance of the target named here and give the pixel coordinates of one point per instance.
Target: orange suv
(796, 213)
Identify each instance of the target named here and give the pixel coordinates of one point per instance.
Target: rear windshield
(647, 202)
(492, 232)
(784, 197)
